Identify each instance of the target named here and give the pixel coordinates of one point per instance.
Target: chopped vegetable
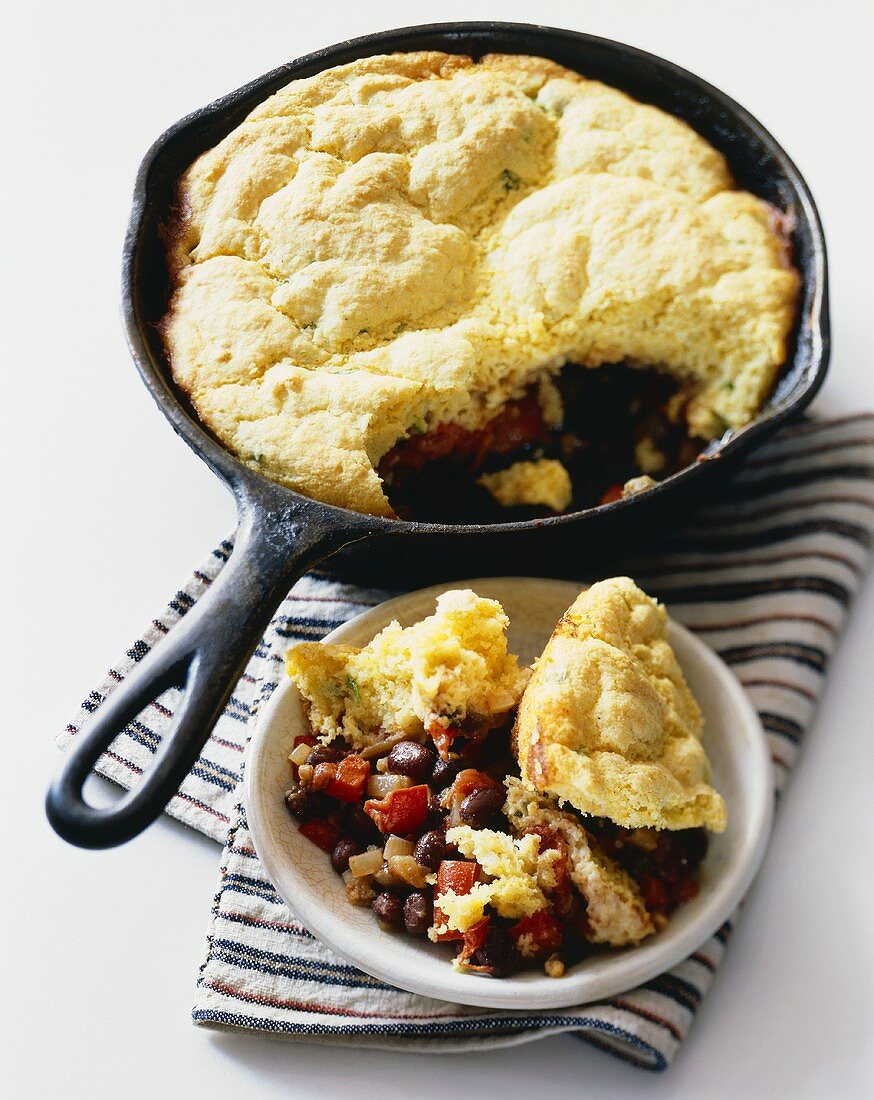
(344, 781)
(353, 688)
(397, 846)
(401, 811)
(614, 492)
(470, 780)
(407, 870)
(442, 736)
(378, 786)
(367, 863)
(539, 934)
(460, 877)
(297, 757)
(324, 834)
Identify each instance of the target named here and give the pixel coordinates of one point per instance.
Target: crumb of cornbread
(638, 485)
(544, 482)
(451, 665)
(412, 239)
(517, 873)
(608, 723)
(615, 911)
(648, 457)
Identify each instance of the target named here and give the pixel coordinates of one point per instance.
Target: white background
(106, 512)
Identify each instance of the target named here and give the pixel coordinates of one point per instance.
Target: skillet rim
(254, 491)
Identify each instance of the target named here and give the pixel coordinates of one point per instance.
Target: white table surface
(107, 511)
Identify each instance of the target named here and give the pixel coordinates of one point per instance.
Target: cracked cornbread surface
(608, 724)
(410, 240)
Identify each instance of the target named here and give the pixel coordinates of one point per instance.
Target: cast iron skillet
(282, 534)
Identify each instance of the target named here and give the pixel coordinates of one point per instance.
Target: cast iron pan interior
(282, 534)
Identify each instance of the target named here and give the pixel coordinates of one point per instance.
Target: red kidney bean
(418, 913)
(410, 758)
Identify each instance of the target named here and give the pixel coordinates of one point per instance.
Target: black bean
(430, 849)
(479, 806)
(445, 771)
(300, 800)
(323, 754)
(693, 844)
(388, 908)
(410, 758)
(496, 952)
(360, 824)
(436, 818)
(343, 849)
(418, 913)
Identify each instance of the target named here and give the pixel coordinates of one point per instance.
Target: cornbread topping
(448, 668)
(544, 482)
(416, 240)
(407, 778)
(608, 723)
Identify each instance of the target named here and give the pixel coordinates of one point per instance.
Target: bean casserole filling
(431, 819)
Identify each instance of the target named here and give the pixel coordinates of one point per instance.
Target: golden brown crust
(608, 723)
(364, 253)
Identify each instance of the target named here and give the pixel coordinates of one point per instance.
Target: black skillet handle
(205, 654)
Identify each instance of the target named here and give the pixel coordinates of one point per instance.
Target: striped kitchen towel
(766, 576)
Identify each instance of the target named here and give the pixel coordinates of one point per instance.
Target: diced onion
(385, 877)
(300, 753)
(406, 869)
(397, 846)
(367, 863)
(378, 786)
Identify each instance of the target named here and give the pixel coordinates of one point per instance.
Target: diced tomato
(442, 736)
(459, 877)
(565, 900)
(324, 834)
(517, 424)
(474, 938)
(345, 780)
(655, 892)
(613, 492)
(538, 934)
(684, 890)
(402, 811)
(470, 780)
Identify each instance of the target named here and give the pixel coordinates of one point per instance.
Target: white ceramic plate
(302, 873)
